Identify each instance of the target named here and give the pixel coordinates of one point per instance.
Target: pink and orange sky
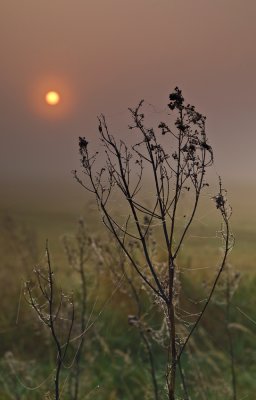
(104, 56)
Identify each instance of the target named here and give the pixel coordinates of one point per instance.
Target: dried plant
(223, 298)
(115, 263)
(78, 249)
(177, 156)
(56, 312)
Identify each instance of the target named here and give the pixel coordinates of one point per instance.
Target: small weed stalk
(229, 284)
(79, 254)
(177, 156)
(55, 310)
(115, 262)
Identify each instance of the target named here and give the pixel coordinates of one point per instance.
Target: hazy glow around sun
(52, 98)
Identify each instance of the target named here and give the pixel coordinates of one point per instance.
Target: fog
(103, 57)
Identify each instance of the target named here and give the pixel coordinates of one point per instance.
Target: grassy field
(115, 360)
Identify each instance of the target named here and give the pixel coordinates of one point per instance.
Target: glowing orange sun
(52, 98)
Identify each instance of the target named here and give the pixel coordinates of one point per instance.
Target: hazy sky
(105, 55)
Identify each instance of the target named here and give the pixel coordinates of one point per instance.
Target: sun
(52, 98)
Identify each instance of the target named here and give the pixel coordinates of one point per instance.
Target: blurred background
(103, 57)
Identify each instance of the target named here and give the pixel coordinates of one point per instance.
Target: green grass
(115, 359)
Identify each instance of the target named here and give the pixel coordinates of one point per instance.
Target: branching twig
(49, 306)
(176, 170)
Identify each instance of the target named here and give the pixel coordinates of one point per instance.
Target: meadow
(114, 363)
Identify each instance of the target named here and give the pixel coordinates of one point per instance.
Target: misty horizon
(105, 59)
